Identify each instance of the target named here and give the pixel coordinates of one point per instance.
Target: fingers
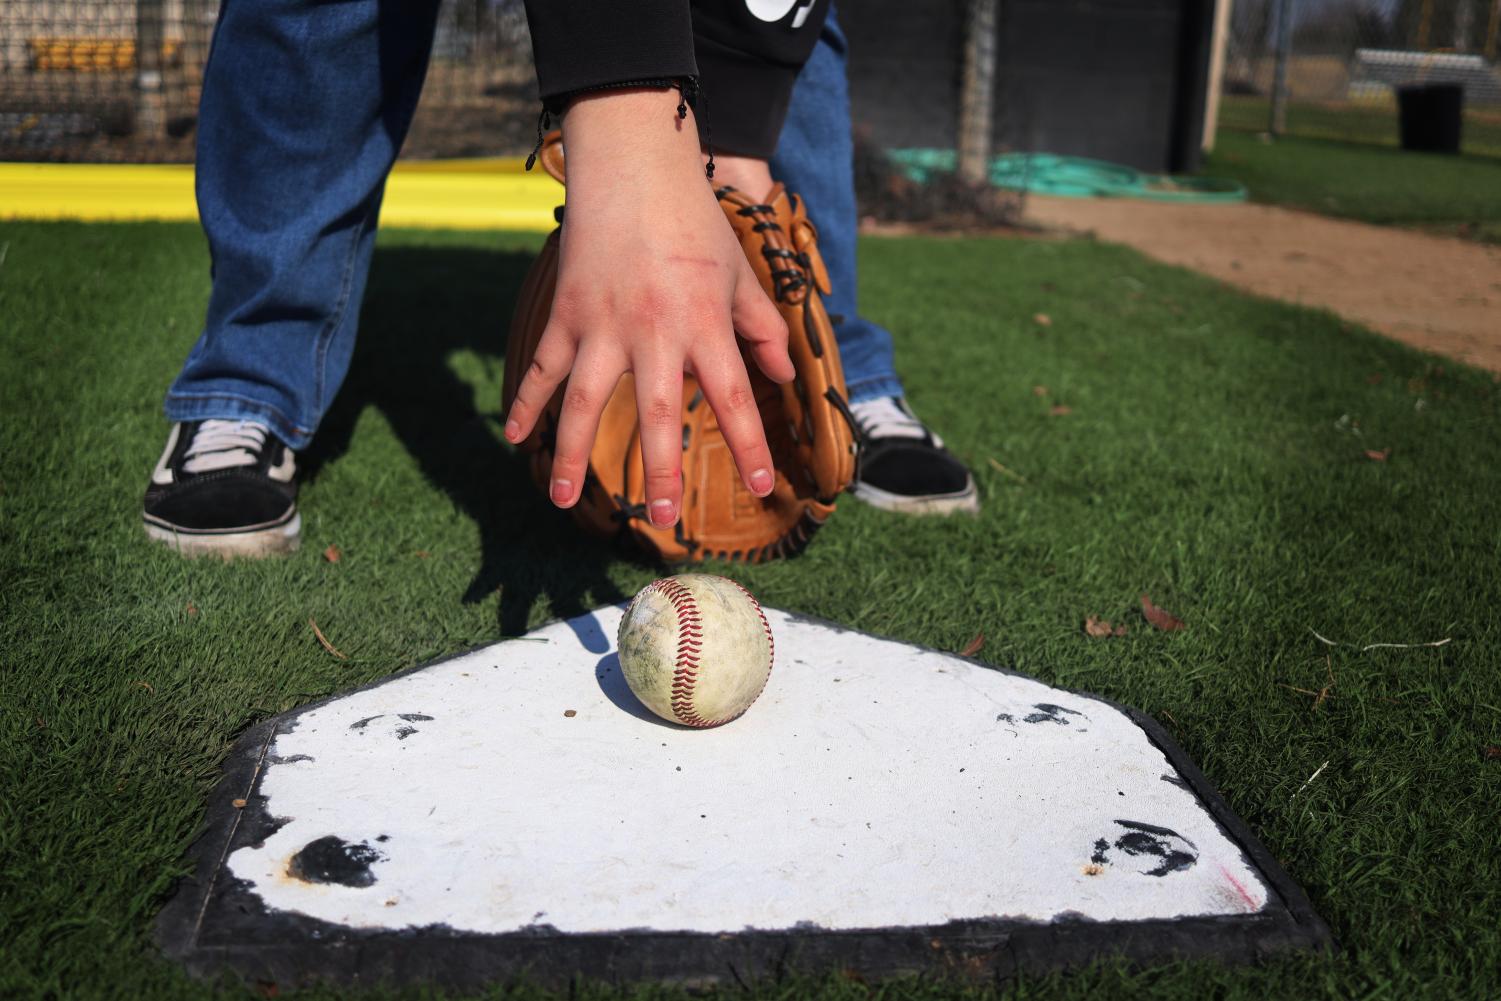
(593, 379)
(727, 389)
(758, 322)
(550, 365)
(659, 402)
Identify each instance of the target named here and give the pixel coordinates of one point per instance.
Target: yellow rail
(439, 194)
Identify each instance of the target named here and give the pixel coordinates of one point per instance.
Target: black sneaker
(904, 467)
(225, 488)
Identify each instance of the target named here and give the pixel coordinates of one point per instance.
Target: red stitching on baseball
(690, 645)
(771, 643)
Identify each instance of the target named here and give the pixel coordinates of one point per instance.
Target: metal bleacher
(1376, 72)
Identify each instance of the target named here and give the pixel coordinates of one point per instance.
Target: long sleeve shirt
(745, 55)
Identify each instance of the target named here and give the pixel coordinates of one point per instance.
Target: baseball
(695, 648)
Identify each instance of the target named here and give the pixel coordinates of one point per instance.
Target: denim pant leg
(815, 159)
(305, 106)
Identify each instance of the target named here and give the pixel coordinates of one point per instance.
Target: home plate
(883, 808)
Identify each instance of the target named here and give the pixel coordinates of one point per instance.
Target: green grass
(1373, 123)
(1213, 458)
(1458, 195)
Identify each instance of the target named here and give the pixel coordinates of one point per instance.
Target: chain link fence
(1341, 63)
(118, 80)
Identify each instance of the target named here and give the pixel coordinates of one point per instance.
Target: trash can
(1430, 116)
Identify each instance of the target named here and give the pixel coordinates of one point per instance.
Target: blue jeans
(815, 159)
(305, 106)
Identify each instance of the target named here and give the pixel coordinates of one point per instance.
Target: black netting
(1345, 59)
(118, 80)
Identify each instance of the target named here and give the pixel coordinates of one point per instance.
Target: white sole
(277, 540)
(966, 501)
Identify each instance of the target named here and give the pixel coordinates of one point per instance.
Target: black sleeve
(749, 54)
(745, 53)
(585, 44)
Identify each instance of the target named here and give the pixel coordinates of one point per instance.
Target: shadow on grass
(424, 304)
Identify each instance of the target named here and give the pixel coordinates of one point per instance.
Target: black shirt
(745, 54)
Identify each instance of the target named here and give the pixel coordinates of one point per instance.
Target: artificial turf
(1455, 195)
(1355, 121)
(1213, 454)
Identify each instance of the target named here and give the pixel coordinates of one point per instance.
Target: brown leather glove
(808, 423)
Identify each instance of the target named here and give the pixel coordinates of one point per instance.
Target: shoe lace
(225, 445)
(887, 417)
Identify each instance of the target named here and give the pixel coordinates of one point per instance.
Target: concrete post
(1278, 122)
(977, 98)
(151, 118)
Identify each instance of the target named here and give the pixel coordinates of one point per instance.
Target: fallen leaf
(1042, 319)
(147, 686)
(192, 609)
(570, 713)
(1160, 617)
(1120, 630)
(1492, 752)
(239, 804)
(422, 554)
(1377, 456)
(1039, 391)
(1097, 627)
(973, 646)
(1060, 409)
(323, 640)
(332, 553)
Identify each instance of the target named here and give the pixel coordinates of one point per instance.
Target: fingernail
(562, 491)
(760, 482)
(513, 431)
(663, 513)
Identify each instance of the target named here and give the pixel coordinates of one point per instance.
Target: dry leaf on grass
(1493, 752)
(1060, 409)
(1039, 391)
(1376, 455)
(1099, 628)
(192, 608)
(1042, 319)
(422, 554)
(1160, 617)
(332, 553)
(973, 646)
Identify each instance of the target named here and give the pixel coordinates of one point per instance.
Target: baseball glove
(808, 423)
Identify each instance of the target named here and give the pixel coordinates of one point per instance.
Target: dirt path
(1435, 293)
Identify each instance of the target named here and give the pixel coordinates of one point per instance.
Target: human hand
(652, 281)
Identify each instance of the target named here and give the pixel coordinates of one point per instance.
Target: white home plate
(881, 807)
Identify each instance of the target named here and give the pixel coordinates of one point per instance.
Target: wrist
(618, 130)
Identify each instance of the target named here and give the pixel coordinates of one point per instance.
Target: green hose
(1073, 177)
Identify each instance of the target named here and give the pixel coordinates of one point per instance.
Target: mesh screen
(118, 80)
(1347, 57)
